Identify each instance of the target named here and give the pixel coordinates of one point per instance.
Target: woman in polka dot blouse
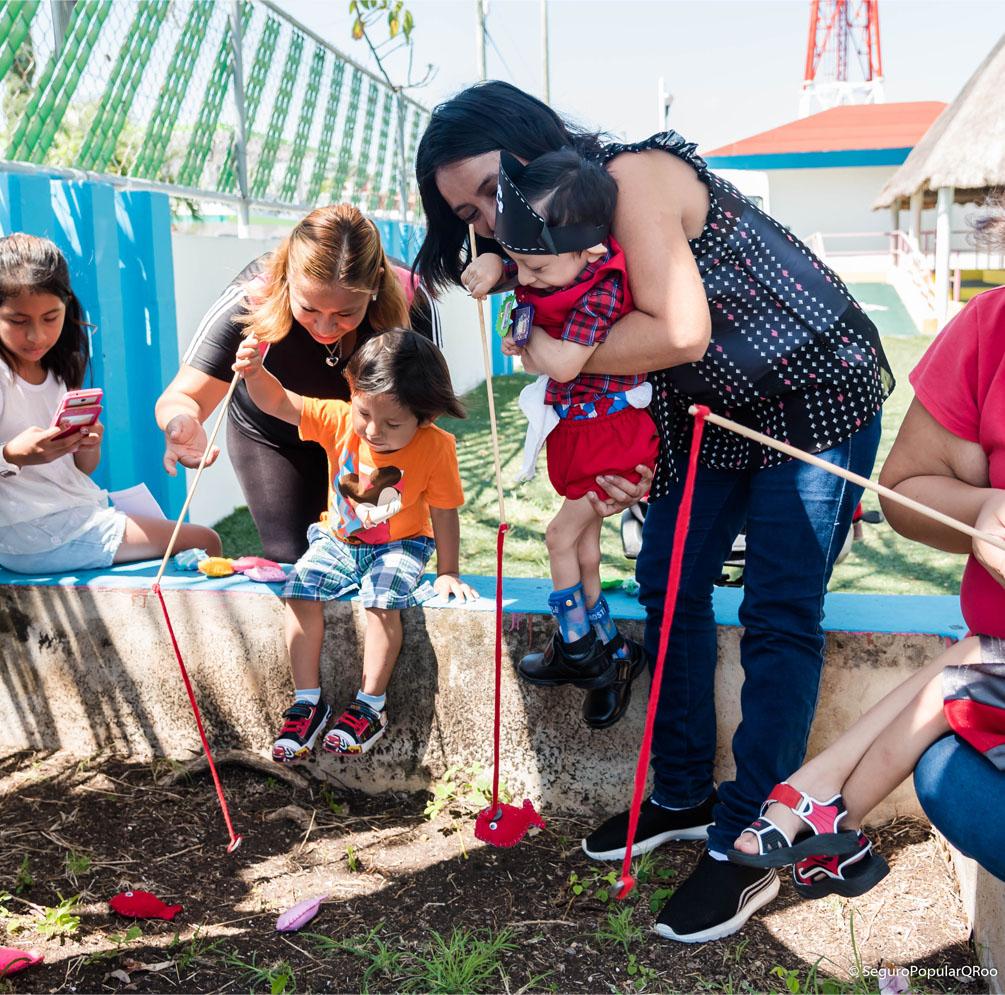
(734, 312)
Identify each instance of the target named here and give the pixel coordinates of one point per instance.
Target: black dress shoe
(585, 663)
(604, 706)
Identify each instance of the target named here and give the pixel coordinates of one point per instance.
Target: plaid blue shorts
(387, 576)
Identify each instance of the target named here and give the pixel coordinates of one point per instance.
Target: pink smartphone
(77, 410)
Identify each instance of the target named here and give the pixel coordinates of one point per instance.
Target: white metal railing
(908, 257)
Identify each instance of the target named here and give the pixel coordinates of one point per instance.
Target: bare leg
(305, 631)
(868, 759)
(588, 554)
(148, 538)
(381, 647)
(562, 538)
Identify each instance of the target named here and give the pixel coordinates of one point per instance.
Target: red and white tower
(844, 64)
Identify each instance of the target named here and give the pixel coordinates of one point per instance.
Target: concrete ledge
(87, 665)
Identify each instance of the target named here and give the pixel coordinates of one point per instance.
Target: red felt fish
(13, 960)
(142, 905)
(506, 825)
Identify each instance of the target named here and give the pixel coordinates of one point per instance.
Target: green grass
(882, 563)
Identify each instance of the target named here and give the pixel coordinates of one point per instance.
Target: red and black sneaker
(356, 729)
(848, 875)
(303, 724)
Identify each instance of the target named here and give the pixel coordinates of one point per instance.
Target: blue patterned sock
(311, 695)
(373, 701)
(569, 608)
(607, 632)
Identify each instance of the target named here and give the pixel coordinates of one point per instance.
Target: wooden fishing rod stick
(195, 483)
(487, 359)
(783, 447)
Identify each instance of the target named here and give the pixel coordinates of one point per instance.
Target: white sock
(310, 695)
(373, 701)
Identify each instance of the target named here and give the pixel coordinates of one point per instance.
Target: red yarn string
(235, 840)
(627, 882)
(497, 724)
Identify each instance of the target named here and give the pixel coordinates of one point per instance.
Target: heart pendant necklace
(334, 355)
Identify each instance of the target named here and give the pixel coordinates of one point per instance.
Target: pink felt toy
(142, 905)
(245, 563)
(300, 915)
(266, 575)
(13, 960)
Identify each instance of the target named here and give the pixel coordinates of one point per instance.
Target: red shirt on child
(583, 313)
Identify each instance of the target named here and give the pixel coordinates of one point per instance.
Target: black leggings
(286, 491)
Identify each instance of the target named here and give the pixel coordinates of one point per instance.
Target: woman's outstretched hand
(621, 493)
(992, 520)
(185, 442)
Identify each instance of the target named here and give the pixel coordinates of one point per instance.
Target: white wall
(462, 344)
(204, 265)
(832, 200)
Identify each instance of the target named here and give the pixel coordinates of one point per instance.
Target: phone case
(77, 409)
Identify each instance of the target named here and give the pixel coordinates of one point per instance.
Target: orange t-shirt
(380, 497)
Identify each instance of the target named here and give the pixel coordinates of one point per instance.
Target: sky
(734, 67)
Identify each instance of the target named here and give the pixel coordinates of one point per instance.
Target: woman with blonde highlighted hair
(324, 291)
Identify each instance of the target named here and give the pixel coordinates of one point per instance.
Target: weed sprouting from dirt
(24, 880)
(59, 920)
(466, 961)
(277, 979)
(385, 962)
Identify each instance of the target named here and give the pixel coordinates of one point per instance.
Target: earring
(374, 297)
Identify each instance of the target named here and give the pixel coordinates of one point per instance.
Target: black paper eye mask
(521, 229)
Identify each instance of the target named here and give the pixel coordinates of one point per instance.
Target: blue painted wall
(118, 247)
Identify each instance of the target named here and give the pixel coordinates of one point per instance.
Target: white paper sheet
(137, 500)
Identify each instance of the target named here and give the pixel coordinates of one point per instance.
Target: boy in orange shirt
(394, 491)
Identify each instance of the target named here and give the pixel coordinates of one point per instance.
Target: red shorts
(580, 450)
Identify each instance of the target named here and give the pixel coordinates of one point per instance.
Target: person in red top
(553, 219)
(949, 454)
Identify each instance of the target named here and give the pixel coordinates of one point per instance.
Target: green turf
(883, 304)
(882, 563)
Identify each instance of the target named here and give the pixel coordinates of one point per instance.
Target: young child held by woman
(394, 491)
(53, 517)
(553, 218)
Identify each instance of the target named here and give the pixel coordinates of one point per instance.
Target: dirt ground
(415, 903)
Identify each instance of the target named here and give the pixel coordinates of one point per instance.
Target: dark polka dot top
(792, 354)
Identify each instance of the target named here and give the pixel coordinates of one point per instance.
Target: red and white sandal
(849, 875)
(821, 837)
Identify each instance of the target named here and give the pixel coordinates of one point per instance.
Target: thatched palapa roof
(965, 146)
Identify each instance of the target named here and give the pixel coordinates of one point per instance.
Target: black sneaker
(583, 662)
(656, 827)
(715, 901)
(304, 723)
(358, 728)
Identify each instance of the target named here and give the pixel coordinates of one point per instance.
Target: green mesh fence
(147, 90)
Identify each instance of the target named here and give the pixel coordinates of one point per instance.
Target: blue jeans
(963, 794)
(797, 517)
